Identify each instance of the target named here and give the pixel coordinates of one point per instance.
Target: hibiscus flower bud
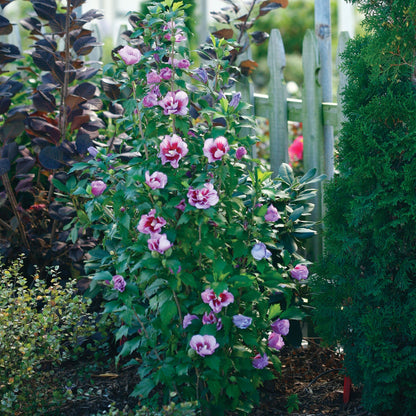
(130, 55)
(240, 152)
(276, 341)
(260, 361)
(98, 187)
(259, 251)
(281, 326)
(119, 283)
(300, 272)
(241, 321)
(235, 100)
(272, 214)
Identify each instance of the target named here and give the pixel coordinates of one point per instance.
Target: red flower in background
(296, 150)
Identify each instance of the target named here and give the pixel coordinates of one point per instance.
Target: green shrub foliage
(40, 326)
(365, 291)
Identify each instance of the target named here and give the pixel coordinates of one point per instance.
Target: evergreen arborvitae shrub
(365, 287)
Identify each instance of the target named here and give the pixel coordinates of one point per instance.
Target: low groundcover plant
(199, 256)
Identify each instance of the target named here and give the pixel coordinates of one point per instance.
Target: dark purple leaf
(91, 15)
(5, 26)
(86, 90)
(86, 73)
(45, 9)
(8, 53)
(94, 104)
(259, 37)
(44, 101)
(134, 20)
(60, 212)
(4, 3)
(76, 253)
(110, 88)
(269, 5)
(116, 110)
(43, 128)
(221, 17)
(10, 151)
(85, 45)
(58, 246)
(25, 184)
(51, 157)
(78, 121)
(224, 34)
(32, 24)
(77, 3)
(13, 126)
(83, 142)
(5, 103)
(24, 164)
(9, 88)
(94, 125)
(43, 60)
(58, 71)
(47, 43)
(4, 165)
(58, 23)
(73, 101)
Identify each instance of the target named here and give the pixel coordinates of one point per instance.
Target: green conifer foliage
(365, 288)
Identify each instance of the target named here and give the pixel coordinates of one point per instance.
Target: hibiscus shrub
(199, 259)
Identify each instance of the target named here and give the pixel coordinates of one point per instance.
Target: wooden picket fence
(314, 114)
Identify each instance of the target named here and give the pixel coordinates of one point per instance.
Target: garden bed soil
(312, 372)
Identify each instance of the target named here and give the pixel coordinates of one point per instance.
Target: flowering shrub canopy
(200, 233)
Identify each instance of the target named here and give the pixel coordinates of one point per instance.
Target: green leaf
(296, 214)
(286, 173)
(293, 313)
(214, 386)
(58, 184)
(144, 388)
(274, 311)
(213, 362)
(168, 311)
(303, 233)
(131, 345)
(103, 275)
(232, 391)
(308, 175)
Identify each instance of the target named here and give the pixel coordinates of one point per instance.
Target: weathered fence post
(313, 129)
(323, 34)
(277, 102)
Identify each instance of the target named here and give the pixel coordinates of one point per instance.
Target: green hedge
(366, 284)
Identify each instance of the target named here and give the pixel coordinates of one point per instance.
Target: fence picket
(278, 132)
(313, 131)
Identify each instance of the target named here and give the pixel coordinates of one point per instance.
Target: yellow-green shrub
(40, 326)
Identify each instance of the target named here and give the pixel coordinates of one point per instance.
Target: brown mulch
(313, 373)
